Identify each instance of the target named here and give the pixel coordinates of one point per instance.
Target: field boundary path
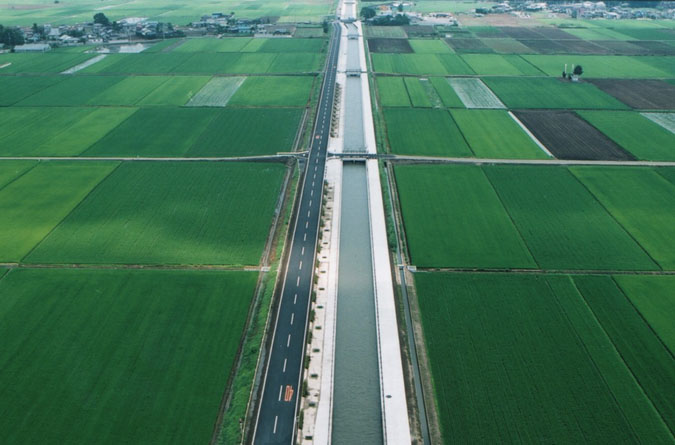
(351, 156)
(276, 418)
(131, 266)
(478, 161)
(460, 270)
(278, 157)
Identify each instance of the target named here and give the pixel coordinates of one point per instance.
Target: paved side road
(276, 420)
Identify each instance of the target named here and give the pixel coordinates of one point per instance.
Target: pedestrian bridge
(358, 156)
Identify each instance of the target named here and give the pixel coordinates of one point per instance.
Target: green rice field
(242, 63)
(56, 131)
(424, 132)
(175, 91)
(150, 63)
(562, 223)
(207, 63)
(637, 134)
(71, 91)
(273, 91)
(292, 45)
(40, 63)
(10, 170)
(285, 63)
(446, 92)
(541, 92)
(395, 32)
(501, 65)
(127, 356)
(162, 132)
(169, 213)
(544, 291)
(450, 193)
(604, 66)
(506, 46)
(421, 46)
(431, 64)
(225, 45)
(494, 134)
(34, 203)
(557, 352)
(112, 90)
(417, 93)
(129, 91)
(238, 132)
(423, 92)
(653, 298)
(642, 201)
(648, 358)
(17, 88)
(392, 92)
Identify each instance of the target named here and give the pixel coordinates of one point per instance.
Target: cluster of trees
(578, 71)
(391, 20)
(11, 36)
(369, 13)
(101, 18)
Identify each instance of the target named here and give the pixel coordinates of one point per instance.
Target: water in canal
(353, 137)
(357, 414)
(357, 409)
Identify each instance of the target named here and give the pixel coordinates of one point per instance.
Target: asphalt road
(276, 419)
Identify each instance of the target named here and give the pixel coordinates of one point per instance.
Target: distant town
(43, 37)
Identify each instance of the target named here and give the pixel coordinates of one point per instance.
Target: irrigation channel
(357, 413)
(357, 408)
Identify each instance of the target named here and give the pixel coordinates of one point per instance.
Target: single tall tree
(99, 17)
(367, 13)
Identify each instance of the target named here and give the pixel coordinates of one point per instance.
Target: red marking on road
(288, 395)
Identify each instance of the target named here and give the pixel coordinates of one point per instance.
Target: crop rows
(206, 63)
(544, 291)
(533, 358)
(127, 356)
(585, 218)
(158, 213)
(160, 132)
(444, 63)
(290, 91)
(458, 133)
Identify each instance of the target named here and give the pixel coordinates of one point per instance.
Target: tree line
(11, 35)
